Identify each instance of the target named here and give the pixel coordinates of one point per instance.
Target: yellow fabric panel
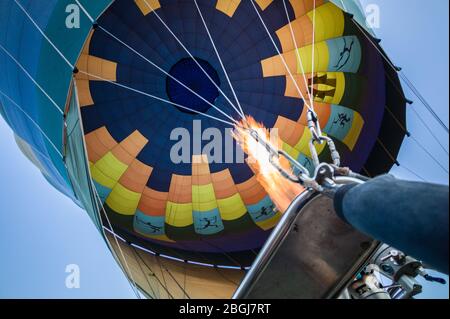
(203, 198)
(147, 6)
(231, 208)
(122, 200)
(353, 135)
(290, 150)
(263, 4)
(321, 58)
(179, 215)
(228, 6)
(303, 145)
(330, 22)
(108, 170)
(269, 223)
(101, 178)
(339, 88)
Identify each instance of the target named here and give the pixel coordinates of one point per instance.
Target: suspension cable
(32, 79)
(143, 272)
(405, 79)
(281, 56)
(163, 71)
(424, 101)
(191, 56)
(33, 122)
(313, 53)
(429, 154)
(101, 208)
(44, 35)
(59, 109)
(220, 60)
(161, 99)
(413, 173)
(135, 90)
(298, 54)
(428, 128)
(174, 279)
(159, 283)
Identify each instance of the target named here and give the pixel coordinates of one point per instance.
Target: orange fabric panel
(122, 155)
(153, 203)
(84, 93)
(274, 66)
(88, 42)
(289, 131)
(200, 170)
(291, 88)
(302, 7)
(95, 148)
(251, 191)
(98, 68)
(180, 191)
(98, 143)
(323, 111)
(223, 183)
(134, 143)
(136, 176)
(303, 33)
(130, 147)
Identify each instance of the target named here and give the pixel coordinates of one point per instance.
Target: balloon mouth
(200, 77)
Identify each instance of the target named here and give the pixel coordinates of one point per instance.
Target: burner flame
(281, 191)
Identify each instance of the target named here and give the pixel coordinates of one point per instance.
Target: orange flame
(281, 191)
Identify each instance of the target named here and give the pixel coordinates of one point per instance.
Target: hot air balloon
(94, 107)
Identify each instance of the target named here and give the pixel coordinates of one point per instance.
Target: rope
(174, 279)
(43, 34)
(424, 101)
(85, 11)
(298, 53)
(233, 121)
(159, 281)
(220, 60)
(430, 155)
(32, 79)
(428, 128)
(413, 173)
(190, 55)
(159, 98)
(34, 123)
(164, 278)
(128, 272)
(164, 72)
(405, 79)
(143, 272)
(313, 52)
(281, 56)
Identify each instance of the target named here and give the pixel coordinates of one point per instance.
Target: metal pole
(272, 244)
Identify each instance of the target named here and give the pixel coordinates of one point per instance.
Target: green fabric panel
(53, 72)
(354, 7)
(77, 164)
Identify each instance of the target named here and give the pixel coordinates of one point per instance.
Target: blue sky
(41, 231)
